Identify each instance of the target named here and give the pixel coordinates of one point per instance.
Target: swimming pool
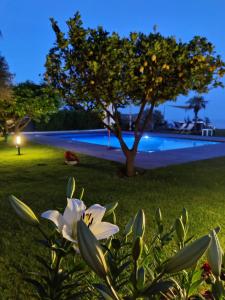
(149, 143)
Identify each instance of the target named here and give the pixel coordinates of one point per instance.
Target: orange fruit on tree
(153, 57)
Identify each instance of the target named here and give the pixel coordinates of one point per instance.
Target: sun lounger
(189, 128)
(182, 127)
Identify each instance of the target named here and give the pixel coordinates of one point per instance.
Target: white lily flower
(66, 223)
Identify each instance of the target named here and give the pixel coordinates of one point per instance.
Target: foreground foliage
(124, 267)
(198, 186)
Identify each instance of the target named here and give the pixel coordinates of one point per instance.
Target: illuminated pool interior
(148, 143)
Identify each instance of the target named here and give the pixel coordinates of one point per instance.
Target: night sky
(27, 34)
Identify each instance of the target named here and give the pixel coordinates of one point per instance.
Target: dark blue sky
(27, 34)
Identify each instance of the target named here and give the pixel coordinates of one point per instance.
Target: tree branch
(138, 119)
(146, 120)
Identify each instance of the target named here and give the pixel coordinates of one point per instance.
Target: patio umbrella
(186, 107)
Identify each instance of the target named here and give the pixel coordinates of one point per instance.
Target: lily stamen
(90, 223)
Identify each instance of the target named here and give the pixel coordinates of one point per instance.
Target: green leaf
(70, 188)
(158, 288)
(129, 226)
(39, 287)
(195, 286)
(140, 278)
(82, 194)
(110, 208)
(104, 291)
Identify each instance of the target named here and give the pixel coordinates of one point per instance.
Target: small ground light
(18, 144)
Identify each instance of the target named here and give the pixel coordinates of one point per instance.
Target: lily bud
(179, 227)
(137, 248)
(23, 211)
(158, 216)
(215, 255)
(70, 188)
(90, 250)
(184, 217)
(188, 256)
(139, 224)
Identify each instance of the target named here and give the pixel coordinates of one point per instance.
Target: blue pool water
(148, 143)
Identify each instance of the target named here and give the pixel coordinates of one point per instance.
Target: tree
(29, 101)
(33, 102)
(6, 100)
(5, 79)
(106, 70)
(197, 103)
(156, 121)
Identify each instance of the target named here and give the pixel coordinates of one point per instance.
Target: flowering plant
(122, 266)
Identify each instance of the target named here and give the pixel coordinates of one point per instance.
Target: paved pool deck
(143, 160)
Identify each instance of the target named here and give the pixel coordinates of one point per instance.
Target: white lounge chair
(182, 127)
(189, 127)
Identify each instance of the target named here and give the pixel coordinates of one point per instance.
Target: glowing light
(18, 140)
(146, 137)
(18, 144)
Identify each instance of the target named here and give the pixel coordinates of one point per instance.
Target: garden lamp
(18, 144)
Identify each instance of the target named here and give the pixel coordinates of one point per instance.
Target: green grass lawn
(39, 178)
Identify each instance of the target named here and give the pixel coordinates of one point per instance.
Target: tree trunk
(130, 154)
(5, 133)
(196, 115)
(130, 158)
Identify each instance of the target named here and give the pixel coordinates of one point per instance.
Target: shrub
(71, 120)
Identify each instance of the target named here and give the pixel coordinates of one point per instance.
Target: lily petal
(103, 230)
(97, 212)
(67, 234)
(55, 217)
(73, 211)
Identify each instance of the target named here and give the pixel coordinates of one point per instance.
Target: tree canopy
(5, 80)
(33, 102)
(93, 66)
(29, 101)
(6, 100)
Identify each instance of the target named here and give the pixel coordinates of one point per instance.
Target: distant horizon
(170, 116)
